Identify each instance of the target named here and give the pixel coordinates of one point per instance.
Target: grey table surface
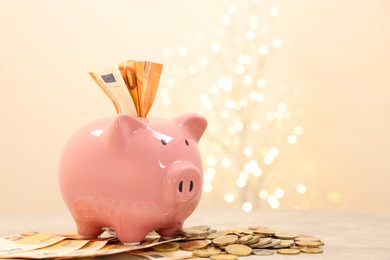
(346, 234)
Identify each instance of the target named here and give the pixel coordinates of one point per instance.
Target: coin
(284, 244)
(286, 235)
(307, 238)
(261, 242)
(225, 240)
(166, 247)
(239, 230)
(311, 250)
(193, 232)
(308, 243)
(195, 244)
(223, 257)
(257, 227)
(238, 250)
(265, 231)
(217, 234)
(262, 252)
(288, 251)
(206, 252)
(201, 227)
(244, 239)
(255, 239)
(274, 242)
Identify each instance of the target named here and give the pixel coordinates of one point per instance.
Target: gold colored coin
(288, 251)
(257, 227)
(223, 257)
(307, 238)
(225, 240)
(286, 235)
(217, 234)
(201, 227)
(166, 247)
(207, 252)
(238, 230)
(195, 244)
(308, 243)
(255, 239)
(244, 239)
(311, 250)
(238, 250)
(192, 234)
(265, 231)
(262, 252)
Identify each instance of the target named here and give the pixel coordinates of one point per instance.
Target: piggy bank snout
(185, 180)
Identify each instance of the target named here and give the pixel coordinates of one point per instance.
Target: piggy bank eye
(187, 143)
(163, 142)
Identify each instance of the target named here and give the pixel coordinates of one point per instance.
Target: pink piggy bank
(133, 174)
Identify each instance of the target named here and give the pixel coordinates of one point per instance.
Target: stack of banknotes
(131, 86)
(197, 241)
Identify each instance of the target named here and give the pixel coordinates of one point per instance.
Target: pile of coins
(229, 244)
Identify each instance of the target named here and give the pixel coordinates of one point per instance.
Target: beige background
(337, 51)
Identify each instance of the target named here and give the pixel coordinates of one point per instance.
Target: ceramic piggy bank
(133, 174)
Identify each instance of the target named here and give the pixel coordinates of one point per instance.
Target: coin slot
(187, 143)
(181, 186)
(191, 185)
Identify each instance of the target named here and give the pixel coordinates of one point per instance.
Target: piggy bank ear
(118, 133)
(194, 124)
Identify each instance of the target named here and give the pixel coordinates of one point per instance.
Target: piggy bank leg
(167, 233)
(88, 229)
(130, 235)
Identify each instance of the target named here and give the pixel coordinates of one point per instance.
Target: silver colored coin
(284, 244)
(274, 242)
(262, 252)
(261, 242)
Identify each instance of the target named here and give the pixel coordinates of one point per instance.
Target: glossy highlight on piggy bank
(133, 174)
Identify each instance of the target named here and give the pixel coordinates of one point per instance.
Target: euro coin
(239, 230)
(311, 250)
(193, 232)
(308, 243)
(166, 247)
(255, 239)
(262, 252)
(288, 251)
(286, 235)
(225, 240)
(307, 238)
(261, 242)
(207, 252)
(223, 257)
(195, 244)
(244, 239)
(238, 250)
(274, 242)
(265, 231)
(201, 227)
(284, 244)
(217, 234)
(257, 227)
